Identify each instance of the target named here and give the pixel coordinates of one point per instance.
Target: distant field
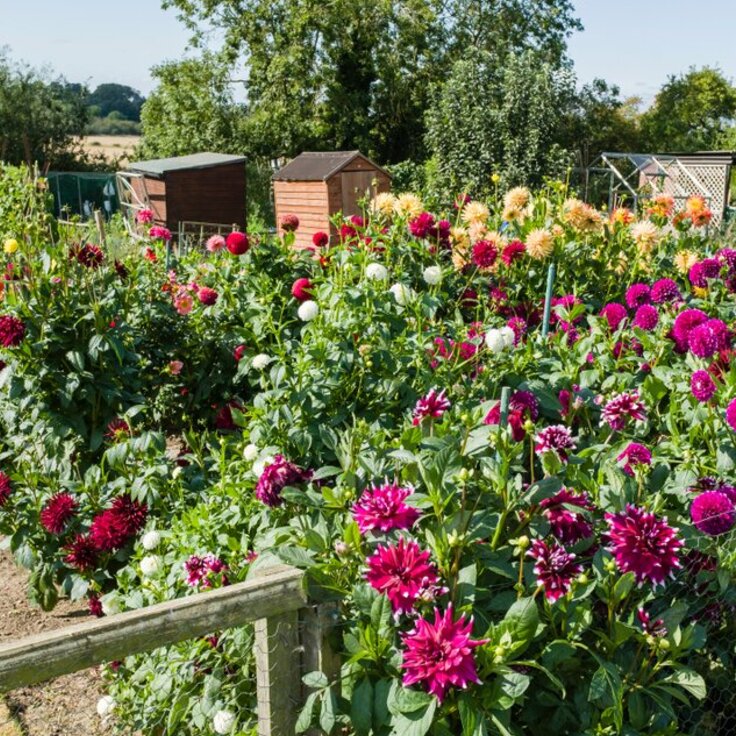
(112, 147)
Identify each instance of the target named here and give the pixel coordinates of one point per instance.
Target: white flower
(376, 272)
(432, 275)
(105, 706)
(308, 310)
(151, 566)
(261, 361)
(509, 336)
(402, 294)
(151, 540)
(250, 452)
(110, 604)
(495, 340)
(223, 722)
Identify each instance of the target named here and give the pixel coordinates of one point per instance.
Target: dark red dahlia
(6, 489)
(57, 512)
(82, 553)
(12, 331)
(237, 243)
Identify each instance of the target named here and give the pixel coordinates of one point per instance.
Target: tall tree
(690, 112)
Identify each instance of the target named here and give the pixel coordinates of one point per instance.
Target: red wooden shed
(314, 186)
(205, 188)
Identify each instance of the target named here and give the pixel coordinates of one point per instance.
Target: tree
(191, 109)
(690, 112)
(491, 119)
(358, 73)
(120, 98)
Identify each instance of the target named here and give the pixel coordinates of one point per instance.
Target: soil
(65, 706)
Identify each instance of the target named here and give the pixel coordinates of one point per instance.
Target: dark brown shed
(201, 188)
(316, 185)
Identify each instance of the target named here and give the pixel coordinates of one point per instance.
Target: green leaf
(689, 680)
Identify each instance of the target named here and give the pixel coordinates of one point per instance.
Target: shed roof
(319, 165)
(160, 166)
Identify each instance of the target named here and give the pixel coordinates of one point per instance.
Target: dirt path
(66, 706)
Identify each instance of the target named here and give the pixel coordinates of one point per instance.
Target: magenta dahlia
(713, 513)
(622, 407)
(12, 331)
(638, 294)
(702, 386)
(382, 508)
(643, 544)
(275, 477)
(567, 525)
(634, 454)
(57, 512)
(665, 290)
(555, 568)
(82, 553)
(439, 654)
(484, 254)
(404, 573)
(433, 405)
(646, 317)
(556, 438)
(614, 313)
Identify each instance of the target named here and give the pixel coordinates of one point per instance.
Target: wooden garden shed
(316, 185)
(203, 188)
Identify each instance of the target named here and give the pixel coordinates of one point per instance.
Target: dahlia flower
(433, 405)
(6, 489)
(215, 243)
(301, 289)
(12, 331)
(638, 294)
(646, 317)
(643, 544)
(439, 654)
(376, 272)
(634, 454)
(275, 477)
(57, 512)
(539, 244)
(702, 386)
(382, 508)
(207, 296)
(621, 407)
(237, 243)
(555, 568)
(567, 525)
(308, 310)
(289, 223)
(665, 290)
(402, 572)
(432, 275)
(614, 313)
(556, 438)
(713, 513)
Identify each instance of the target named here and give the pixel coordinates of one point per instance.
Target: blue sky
(633, 43)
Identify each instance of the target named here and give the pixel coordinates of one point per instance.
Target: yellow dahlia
(539, 244)
(408, 204)
(475, 213)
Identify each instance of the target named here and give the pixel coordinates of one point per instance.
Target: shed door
(356, 185)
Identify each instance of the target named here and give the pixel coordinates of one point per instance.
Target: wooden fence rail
(275, 600)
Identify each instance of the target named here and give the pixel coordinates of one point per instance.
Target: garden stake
(548, 299)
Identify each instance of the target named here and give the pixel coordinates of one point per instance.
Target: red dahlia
(57, 512)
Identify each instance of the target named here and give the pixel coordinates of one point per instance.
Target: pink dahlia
(713, 513)
(301, 289)
(159, 233)
(556, 438)
(684, 324)
(382, 508)
(275, 477)
(555, 568)
(6, 489)
(215, 243)
(665, 290)
(614, 313)
(423, 225)
(731, 414)
(702, 386)
(207, 296)
(439, 654)
(320, 239)
(289, 223)
(638, 294)
(57, 512)
(82, 553)
(237, 243)
(646, 317)
(513, 252)
(484, 254)
(643, 544)
(432, 405)
(622, 407)
(403, 572)
(567, 525)
(634, 454)
(12, 331)
(708, 338)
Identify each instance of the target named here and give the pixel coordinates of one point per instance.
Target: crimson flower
(382, 508)
(403, 572)
(439, 654)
